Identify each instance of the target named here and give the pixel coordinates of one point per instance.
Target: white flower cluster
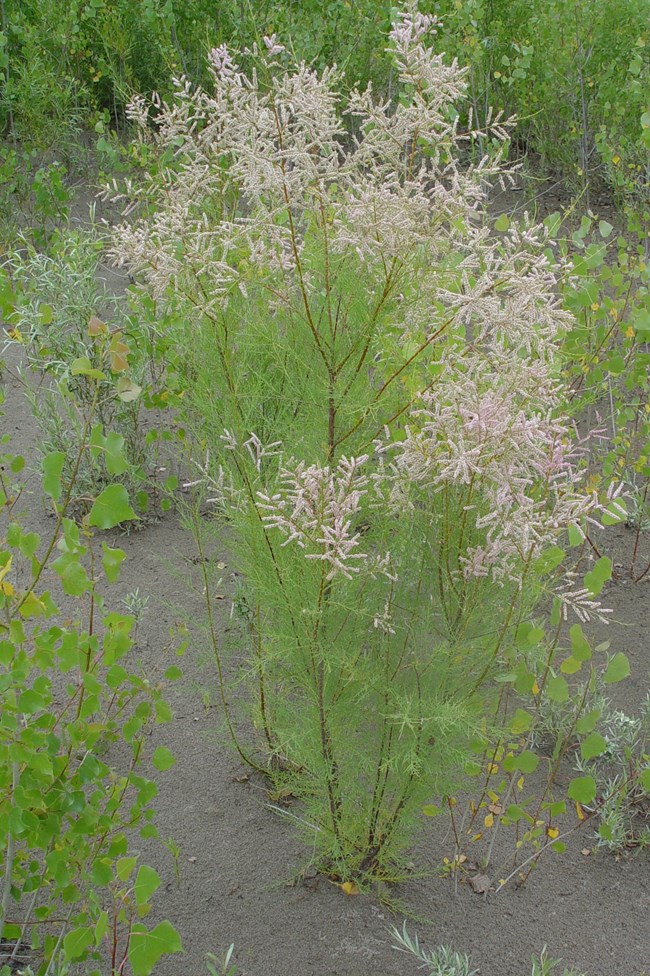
(281, 148)
(489, 429)
(315, 507)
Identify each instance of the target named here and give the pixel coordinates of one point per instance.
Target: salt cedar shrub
(371, 374)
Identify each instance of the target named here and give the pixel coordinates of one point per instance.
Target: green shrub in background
(67, 58)
(65, 61)
(575, 72)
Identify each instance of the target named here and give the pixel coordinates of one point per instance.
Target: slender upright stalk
(10, 854)
(214, 642)
(3, 22)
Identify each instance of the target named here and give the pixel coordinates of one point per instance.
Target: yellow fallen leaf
(580, 811)
(6, 588)
(629, 332)
(349, 888)
(492, 768)
(489, 820)
(535, 687)
(552, 832)
(520, 783)
(5, 569)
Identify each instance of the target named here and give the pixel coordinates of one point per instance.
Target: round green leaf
(77, 942)
(617, 669)
(146, 948)
(549, 560)
(520, 722)
(587, 723)
(52, 470)
(580, 648)
(527, 761)
(431, 810)
(111, 507)
(124, 867)
(599, 575)
(147, 881)
(614, 513)
(127, 390)
(101, 927)
(112, 560)
(163, 758)
(582, 789)
(570, 665)
(557, 689)
(594, 745)
(576, 535)
(83, 367)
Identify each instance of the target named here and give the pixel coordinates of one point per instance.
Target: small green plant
(221, 965)
(553, 702)
(545, 966)
(622, 774)
(607, 364)
(442, 961)
(136, 604)
(588, 60)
